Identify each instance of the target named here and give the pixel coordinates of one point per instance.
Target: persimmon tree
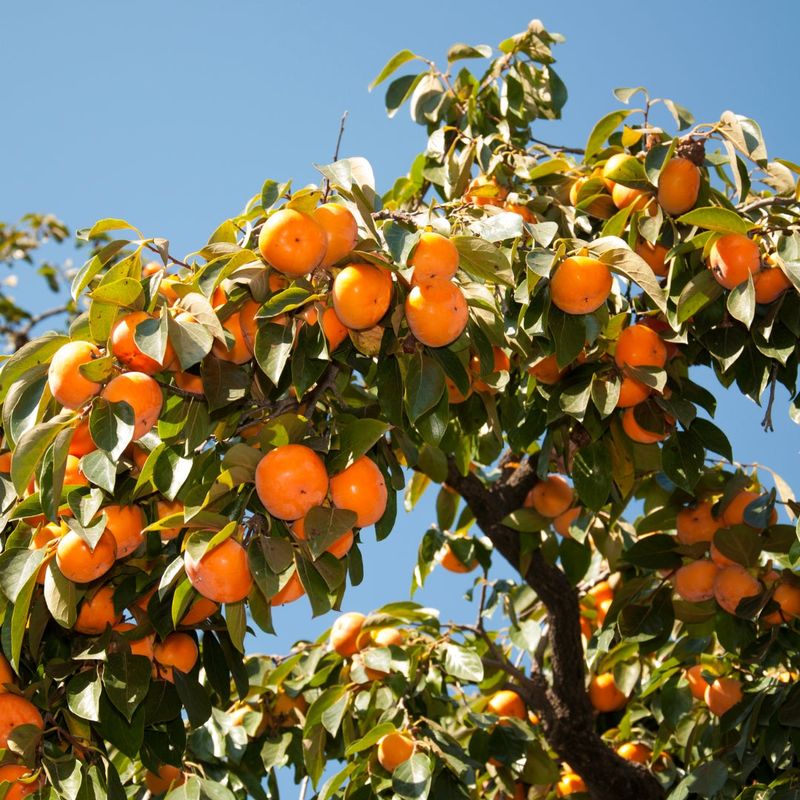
(513, 325)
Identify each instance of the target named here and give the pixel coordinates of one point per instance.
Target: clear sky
(171, 115)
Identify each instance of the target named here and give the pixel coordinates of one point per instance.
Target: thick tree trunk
(562, 704)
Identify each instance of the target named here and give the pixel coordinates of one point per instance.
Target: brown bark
(562, 702)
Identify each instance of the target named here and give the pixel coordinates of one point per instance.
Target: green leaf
(328, 709)
(324, 525)
(370, 739)
(682, 457)
(682, 116)
(483, 260)
(592, 474)
(706, 780)
(412, 778)
(17, 566)
(100, 469)
(462, 663)
(701, 290)
(110, 224)
(424, 386)
(111, 426)
(61, 596)
(392, 65)
(712, 438)
(622, 259)
(714, 218)
(356, 437)
(602, 130)
(30, 355)
(656, 551)
(31, 448)
(741, 302)
(122, 292)
(459, 51)
(126, 679)
(83, 695)
(739, 543)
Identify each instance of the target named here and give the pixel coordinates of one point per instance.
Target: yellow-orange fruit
(341, 229)
(613, 163)
(79, 563)
(125, 524)
(189, 382)
(452, 563)
(168, 508)
(718, 558)
(678, 186)
(694, 582)
(697, 683)
(248, 325)
(16, 711)
(97, 612)
(564, 520)
(436, 312)
(394, 749)
(5, 462)
(140, 646)
(361, 488)
(522, 210)
(199, 611)
(635, 751)
(42, 538)
(345, 633)
(67, 385)
(338, 549)
(238, 350)
(734, 584)
(127, 352)
(632, 392)
(335, 332)
(167, 777)
(222, 574)
(142, 394)
(580, 285)
(546, 370)
(292, 590)
(637, 433)
(73, 474)
(292, 242)
(604, 694)
(733, 513)
(177, 651)
(722, 695)
(507, 703)
(485, 191)
(570, 783)
(733, 257)
(500, 363)
(291, 480)
(81, 443)
(787, 596)
(624, 196)
(770, 284)
(434, 257)
(550, 497)
(640, 346)
(18, 781)
(454, 394)
(697, 523)
(655, 256)
(386, 637)
(601, 591)
(7, 674)
(361, 295)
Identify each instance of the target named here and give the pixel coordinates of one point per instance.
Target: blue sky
(171, 115)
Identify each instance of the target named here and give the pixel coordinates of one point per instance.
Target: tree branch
(335, 155)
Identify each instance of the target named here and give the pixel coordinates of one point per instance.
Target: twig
(766, 423)
(172, 389)
(767, 201)
(174, 260)
(303, 787)
(335, 154)
(578, 151)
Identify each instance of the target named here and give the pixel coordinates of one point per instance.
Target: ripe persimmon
(128, 352)
(292, 242)
(546, 370)
(436, 312)
(341, 230)
(637, 433)
(142, 394)
(79, 563)
(678, 186)
(570, 783)
(722, 695)
(697, 523)
(434, 257)
(733, 257)
(19, 781)
(452, 563)
(718, 558)
(42, 538)
(333, 328)
(604, 694)
(177, 651)
(733, 513)
(168, 508)
(292, 590)
(73, 474)
(199, 611)
(189, 382)
(7, 675)
(614, 162)
(697, 683)
(361, 488)
(291, 480)
(787, 596)
(386, 637)
(339, 548)
(770, 284)
(454, 394)
(237, 350)
(361, 295)
(394, 749)
(345, 633)
(222, 574)
(500, 363)
(635, 751)
(655, 257)
(485, 191)
(81, 443)
(520, 209)
(564, 520)
(550, 497)
(694, 582)
(97, 612)
(640, 346)
(507, 703)
(601, 592)
(140, 645)
(734, 584)
(15, 710)
(624, 196)
(67, 385)
(167, 778)
(125, 524)
(632, 392)
(580, 285)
